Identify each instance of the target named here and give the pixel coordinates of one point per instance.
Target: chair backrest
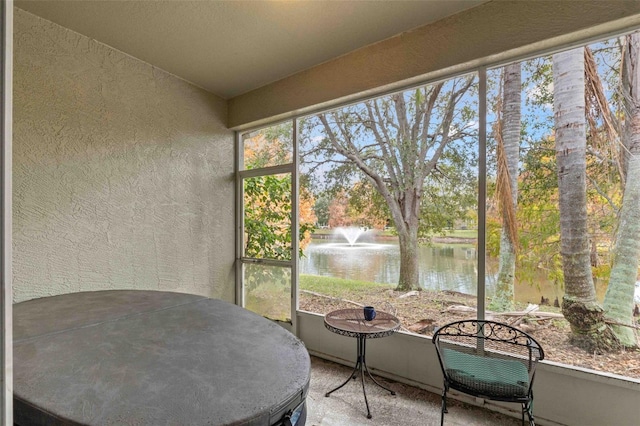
(462, 344)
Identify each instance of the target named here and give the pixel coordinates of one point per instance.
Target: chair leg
(528, 408)
(443, 409)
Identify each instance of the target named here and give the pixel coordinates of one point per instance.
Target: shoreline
(437, 239)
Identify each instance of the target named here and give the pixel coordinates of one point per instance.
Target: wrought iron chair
(489, 360)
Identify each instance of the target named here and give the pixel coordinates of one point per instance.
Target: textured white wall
(123, 174)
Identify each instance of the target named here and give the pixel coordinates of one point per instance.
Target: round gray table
(153, 358)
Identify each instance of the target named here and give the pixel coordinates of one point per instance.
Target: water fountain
(350, 253)
(352, 238)
(351, 233)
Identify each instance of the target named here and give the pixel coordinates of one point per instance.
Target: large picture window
(396, 182)
(560, 202)
(403, 204)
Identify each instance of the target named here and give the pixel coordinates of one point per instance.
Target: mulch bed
(423, 311)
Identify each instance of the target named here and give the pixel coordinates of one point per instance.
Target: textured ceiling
(232, 47)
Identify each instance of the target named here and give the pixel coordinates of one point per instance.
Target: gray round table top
(151, 358)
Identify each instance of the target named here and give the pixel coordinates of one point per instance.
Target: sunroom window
(510, 193)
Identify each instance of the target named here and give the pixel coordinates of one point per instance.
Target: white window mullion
(295, 231)
(482, 190)
(265, 171)
(6, 293)
(239, 156)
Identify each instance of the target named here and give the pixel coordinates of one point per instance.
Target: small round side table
(351, 323)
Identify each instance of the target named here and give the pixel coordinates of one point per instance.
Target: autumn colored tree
(338, 211)
(267, 199)
(267, 217)
(268, 147)
(307, 215)
(356, 207)
(366, 207)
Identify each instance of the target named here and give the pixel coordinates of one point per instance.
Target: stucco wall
(123, 174)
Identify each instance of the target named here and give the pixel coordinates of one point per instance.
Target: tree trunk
(579, 305)
(510, 140)
(619, 299)
(409, 266)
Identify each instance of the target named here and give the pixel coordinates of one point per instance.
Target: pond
(442, 267)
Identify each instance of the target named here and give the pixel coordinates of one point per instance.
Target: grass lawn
(338, 287)
(461, 233)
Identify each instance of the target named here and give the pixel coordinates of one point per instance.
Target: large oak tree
(405, 145)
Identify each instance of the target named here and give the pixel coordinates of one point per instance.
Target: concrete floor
(410, 406)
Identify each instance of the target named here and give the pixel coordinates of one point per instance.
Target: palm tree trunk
(579, 305)
(618, 302)
(508, 168)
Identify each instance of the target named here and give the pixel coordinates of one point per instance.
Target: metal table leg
(361, 366)
(364, 363)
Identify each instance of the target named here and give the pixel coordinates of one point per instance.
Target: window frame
(481, 71)
(241, 259)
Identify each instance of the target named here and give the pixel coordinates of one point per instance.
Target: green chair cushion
(484, 376)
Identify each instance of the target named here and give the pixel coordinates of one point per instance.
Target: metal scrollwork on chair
(489, 360)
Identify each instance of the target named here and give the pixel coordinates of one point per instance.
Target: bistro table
(351, 323)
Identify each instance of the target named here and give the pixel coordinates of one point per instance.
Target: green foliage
(493, 230)
(602, 272)
(267, 218)
(538, 215)
(367, 206)
(448, 195)
(267, 223)
(268, 291)
(267, 199)
(540, 75)
(321, 208)
(358, 133)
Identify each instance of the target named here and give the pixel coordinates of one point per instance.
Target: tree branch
(604, 195)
